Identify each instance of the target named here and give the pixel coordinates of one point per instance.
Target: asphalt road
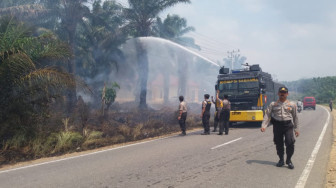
(244, 158)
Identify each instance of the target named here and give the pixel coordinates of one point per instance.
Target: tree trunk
(166, 84)
(182, 75)
(72, 69)
(143, 72)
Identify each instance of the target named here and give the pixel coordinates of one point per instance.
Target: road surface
(244, 158)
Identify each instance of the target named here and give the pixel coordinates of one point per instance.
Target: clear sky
(290, 39)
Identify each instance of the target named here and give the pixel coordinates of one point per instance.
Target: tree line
(49, 48)
(322, 88)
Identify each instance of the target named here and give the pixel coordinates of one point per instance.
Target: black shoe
(205, 133)
(214, 130)
(226, 133)
(280, 163)
(220, 133)
(183, 134)
(290, 165)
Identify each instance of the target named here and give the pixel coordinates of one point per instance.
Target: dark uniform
(331, 105)
(283, 116)
(224, 117)
(206, 115)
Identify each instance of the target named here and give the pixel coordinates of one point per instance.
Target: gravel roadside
(331, 171)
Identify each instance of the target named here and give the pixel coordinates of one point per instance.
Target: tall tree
(29, 79)
(174, 28)
(60, 16)
(65, 16)
(99, 40)
(141, 15)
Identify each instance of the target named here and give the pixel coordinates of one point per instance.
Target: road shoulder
(331, 171)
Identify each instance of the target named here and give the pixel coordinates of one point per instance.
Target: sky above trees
(289, 39)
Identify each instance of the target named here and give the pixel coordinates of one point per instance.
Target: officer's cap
(283, 89)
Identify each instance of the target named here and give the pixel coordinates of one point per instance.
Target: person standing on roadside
(182, 115)
(218, 106)
(283, 115)
(225, 114)
(206, 105)
(331, 105)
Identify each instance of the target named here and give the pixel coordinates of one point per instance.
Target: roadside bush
(94, 135)
(67, 141)
(16, 142)
(125, 131)
(137, 131)
(94, 139)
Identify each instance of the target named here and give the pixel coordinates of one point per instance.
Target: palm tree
(64, 17)
(60, 16)
(174, 28)
(27, 85)
(99, 39)
(141, 16)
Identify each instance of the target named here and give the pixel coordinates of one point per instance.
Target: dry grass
(120, 126)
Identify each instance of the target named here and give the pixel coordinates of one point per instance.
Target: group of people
(222, 114)
(281, 113)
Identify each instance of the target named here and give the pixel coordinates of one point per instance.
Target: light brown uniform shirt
(226, 104)
(183, 106)
(281, 111)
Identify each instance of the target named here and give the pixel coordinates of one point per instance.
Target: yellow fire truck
(250, 91)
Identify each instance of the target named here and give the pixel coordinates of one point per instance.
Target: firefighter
(206, 105)
(182, 115)
(218, 106)
(283, 115)
(224, 115)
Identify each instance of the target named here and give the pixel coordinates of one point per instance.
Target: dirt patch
(331, 170)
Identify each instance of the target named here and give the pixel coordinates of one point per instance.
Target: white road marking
(226, 143)
(68, 158)
(304, 176)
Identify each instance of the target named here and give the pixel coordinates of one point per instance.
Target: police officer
(331, 105)
(282, 114)
(225, 114)
(206, 105)
(218, 106)
(182, 115)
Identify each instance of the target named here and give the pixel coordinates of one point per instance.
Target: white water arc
(169, 64)
(168, 42)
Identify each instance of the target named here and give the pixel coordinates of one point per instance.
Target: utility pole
(232, 55)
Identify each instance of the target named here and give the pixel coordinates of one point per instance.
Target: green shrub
(20, 139)
(43, 146)
(94, 135)
(67, 141)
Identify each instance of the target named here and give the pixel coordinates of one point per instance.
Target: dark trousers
(182, 122)
(281, 131)
(216, 120)
(205, 121)
(330, 107)
(224, 121)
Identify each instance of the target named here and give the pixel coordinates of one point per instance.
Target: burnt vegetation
(54, 55)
